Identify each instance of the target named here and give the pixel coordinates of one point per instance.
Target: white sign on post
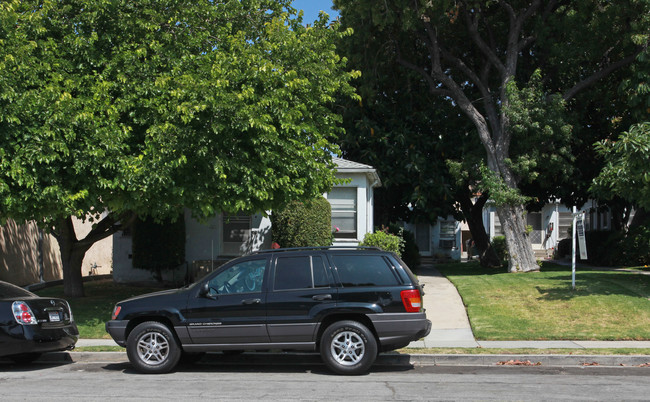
(580, 228)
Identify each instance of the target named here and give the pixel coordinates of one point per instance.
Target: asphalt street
(220, 378)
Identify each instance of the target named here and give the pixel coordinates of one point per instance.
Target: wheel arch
(333, 318)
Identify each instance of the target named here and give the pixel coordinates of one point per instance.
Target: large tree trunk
(473, 213)
(521, 257)
(73, 250)
(72, 256)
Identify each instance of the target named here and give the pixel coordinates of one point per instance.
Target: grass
(606, 305)
(92, 311)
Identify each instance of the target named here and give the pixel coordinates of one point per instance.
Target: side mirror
(205, 290)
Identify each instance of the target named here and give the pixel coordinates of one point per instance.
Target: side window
(364, 270)
(244, 277)
(303, 272)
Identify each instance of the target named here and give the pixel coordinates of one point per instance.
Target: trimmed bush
(385, 241)
(500, 247)
(158, 246)
(303, 224)
(411, 252)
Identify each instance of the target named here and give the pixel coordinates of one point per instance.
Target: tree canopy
(511, 69)
(149, 107)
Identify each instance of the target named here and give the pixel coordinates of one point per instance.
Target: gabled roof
(346, 166)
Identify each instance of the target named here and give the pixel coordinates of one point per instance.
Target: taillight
(23, 314)
(412, 300)
(116, 312)
(70, 311)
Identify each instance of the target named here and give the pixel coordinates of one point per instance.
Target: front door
(423, 238)
(234, 310)
(534, 220)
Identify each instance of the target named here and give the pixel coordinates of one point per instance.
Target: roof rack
(280, 250)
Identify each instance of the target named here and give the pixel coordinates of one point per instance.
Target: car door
(234, 309)
(299, 292)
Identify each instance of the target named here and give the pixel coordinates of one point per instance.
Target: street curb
(388, 359)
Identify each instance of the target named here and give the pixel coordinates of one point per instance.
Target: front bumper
(117, 330)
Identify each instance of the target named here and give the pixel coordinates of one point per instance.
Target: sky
(312, 7)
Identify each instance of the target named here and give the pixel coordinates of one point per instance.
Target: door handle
(251, 301)
(322, 297)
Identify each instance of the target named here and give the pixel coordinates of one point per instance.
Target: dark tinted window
(364, 270)
(320, 275)
(303, 272)
(7, 291)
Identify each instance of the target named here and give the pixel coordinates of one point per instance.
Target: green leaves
(626, 166)
(156, 105)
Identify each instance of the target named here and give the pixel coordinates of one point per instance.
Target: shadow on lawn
(597, 283)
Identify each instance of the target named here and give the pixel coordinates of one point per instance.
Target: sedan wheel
(152, 348)
(348, 347)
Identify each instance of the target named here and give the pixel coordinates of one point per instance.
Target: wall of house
(23, 245)
(365, 205)
(204, 249)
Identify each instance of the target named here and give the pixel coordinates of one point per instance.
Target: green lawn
(92, 311)
(606, 305)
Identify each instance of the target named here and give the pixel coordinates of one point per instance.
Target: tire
(152, 348)
(24, 358)
(348, 347)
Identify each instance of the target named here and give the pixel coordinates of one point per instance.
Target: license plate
(54, 316)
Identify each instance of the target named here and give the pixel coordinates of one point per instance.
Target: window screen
(364, 270)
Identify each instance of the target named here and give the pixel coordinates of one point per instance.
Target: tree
(626, 171)
(509, 67)
(116, 109)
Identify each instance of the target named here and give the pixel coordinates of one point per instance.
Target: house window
(236, 232)
(344, 212)
(447, 234)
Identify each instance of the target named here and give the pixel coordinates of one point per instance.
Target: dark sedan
(31, 325)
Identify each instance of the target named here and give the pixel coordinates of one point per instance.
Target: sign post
(579, 229)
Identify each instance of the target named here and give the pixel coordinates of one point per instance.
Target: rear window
(8, 291)
(364, 270)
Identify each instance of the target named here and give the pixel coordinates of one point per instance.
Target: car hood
(154, 295)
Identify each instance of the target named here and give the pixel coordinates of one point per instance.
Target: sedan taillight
(412, 300)
(23, 314)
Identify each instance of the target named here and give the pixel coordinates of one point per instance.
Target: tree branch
(587, 82)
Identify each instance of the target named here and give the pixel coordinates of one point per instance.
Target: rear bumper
(400, 329)
(117, 330)
(19, 339)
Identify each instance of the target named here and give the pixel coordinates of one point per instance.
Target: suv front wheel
(348, 347)
(152, 348)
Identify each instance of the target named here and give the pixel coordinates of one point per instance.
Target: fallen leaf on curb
(591, 364)
(644, 365)
(518, 363)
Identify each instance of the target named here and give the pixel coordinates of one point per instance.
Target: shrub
(411, 252)
(303, 224)
(158, 246)
(385, 241)
(564, 248)
(500, 247)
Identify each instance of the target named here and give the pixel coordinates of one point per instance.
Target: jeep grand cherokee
(348, 304)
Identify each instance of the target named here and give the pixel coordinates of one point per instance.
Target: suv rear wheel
(152, 348)
(348, 347)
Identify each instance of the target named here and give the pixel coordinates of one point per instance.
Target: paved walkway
(450, 325)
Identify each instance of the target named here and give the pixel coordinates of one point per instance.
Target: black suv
(349, 304)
